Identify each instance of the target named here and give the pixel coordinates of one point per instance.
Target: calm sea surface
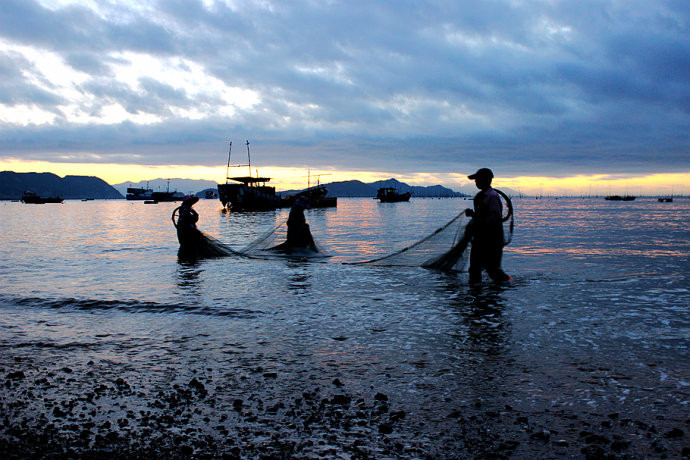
(598, 314)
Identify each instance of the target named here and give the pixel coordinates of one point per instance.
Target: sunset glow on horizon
(297, 178)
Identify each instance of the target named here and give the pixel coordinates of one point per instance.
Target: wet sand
(56, 409)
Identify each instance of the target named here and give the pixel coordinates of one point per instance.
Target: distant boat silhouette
(390, 195)
(250, 193)
(619, 198)
(32, 198)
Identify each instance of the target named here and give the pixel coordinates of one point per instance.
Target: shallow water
(596, 317)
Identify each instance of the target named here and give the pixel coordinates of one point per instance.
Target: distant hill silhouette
(350, 188)
(355, 188)
(13, 185)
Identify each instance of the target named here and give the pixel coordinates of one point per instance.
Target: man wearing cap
(487, 229)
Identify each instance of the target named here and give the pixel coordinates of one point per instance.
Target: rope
(510, 216)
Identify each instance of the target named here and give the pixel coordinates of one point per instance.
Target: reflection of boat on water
(390, 195)
(619, 198)
(249, 193)
(32, 198)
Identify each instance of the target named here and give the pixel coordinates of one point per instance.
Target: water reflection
(188, 277)
(298, 282)
(480, 309)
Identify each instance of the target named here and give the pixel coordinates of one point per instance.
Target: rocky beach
(65, 408)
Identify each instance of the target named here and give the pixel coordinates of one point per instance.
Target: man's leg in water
(476, 261)
(493, 266)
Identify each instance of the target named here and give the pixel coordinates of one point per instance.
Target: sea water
(597, 316)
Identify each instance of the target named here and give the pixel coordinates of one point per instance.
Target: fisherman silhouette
(299, 237)
(187, 233)
(193, 243)
(486, 229)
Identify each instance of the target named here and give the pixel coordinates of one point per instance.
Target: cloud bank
(537, 87)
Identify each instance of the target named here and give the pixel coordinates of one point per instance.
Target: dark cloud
(542, 88)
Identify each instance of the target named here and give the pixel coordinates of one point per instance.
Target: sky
(560, 96)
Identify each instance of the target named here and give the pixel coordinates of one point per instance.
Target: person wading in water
(299, 237)
(194, 244)
(486, 229)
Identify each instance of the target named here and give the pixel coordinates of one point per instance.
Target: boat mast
(249, 160)
(227, 170)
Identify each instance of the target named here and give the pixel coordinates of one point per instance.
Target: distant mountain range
(13, 185)
(355, 188)
(351, 188)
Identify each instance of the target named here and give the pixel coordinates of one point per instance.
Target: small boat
(390, 195)
(166, 196)
(665, 199)
(32, 198)
(249, 193)
(619, 198)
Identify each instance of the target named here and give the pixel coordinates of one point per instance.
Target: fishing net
(211, 247)
(444, 249)
(447, 248)
(273, 244)
(195, 244)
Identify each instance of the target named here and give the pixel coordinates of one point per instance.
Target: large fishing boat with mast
(316, 194)
(247, 193)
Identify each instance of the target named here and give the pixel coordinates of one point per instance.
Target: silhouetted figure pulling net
(193, 243)
(292, 238)
(447, 248)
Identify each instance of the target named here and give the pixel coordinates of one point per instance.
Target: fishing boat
(139, 193)
(32, 198)
(619, 198)
(247, 193)
(318, 199)
(317, 194)
(167, 196)
(390, 195)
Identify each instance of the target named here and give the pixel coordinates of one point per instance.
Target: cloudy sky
(567, 92)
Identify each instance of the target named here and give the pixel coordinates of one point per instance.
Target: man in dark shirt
(487, 230)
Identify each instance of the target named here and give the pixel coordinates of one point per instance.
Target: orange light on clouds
(296, 178)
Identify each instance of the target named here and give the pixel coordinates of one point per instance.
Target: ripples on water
(597, 285)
